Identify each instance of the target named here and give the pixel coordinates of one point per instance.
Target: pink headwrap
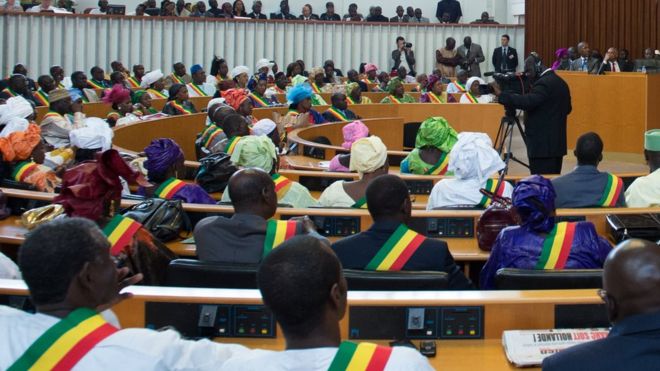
(116, 95)
(354, 131)
(370, 67)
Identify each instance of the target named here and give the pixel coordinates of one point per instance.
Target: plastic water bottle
(643, 69)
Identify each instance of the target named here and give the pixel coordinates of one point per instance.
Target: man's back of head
(388, 199)
(252, 191)
(234, 125)
(589, 149)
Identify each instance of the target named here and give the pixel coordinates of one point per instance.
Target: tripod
(504, 138)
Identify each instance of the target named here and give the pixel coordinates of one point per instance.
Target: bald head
(252, 191)
(631, 279)
(220, 114)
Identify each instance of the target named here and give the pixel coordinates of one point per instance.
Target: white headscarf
(367, 155)
(15, 107)
(473, 157)
(239, 70)
(263, 127)
(472, 80)
(15, 124)
(261, 63)
(95, 134)
(215, 101)
(151, 78)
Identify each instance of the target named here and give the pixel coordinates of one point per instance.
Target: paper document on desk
(529, 347)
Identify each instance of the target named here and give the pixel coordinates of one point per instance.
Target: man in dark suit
(307, 14)
(284, 12)
(390, 207)
(505, 58)
(400, 16)
(585, 62)
(610, 62)
(256, 11)
(450, 8)
(631, 281)
(377, 16)
(547, 107)
(339, 110)
(330, 14)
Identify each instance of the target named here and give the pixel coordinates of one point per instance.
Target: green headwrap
(137, 95)
(297, 80)
(436, 132)
(255, 151)
(394, 82)
(350, 87)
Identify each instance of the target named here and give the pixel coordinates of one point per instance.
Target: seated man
(249, 234)
(645, 191)
(17, 85)
(539, 242)
(64, 115)
(585, 186)
(79, 287)
(631, 280)
(389, 204)
(198, 87)
(81, 87)
(339, 110)
(302, 283)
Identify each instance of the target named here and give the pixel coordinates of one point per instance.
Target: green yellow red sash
(23, 170)
(293, 112)
(133, 82)
(9, 91)
(66, 342)
(397, 250)
(177, 79)
(278, 231)
(316, 88)
(351, 101)
(360, 357)
(96, 84)
(471, 98)
(169, 188)
(60, 85)
(231, 145)
(282, 185)
(258, 101)
(612, 191)
(433, 97)
(337, 114)
(197, 89)
(491, 184)
(440, 168)
(52, 114)
(120, 231)
(210, 134)
(557, 246)
(460, 87)
(360, 204)
(394, 99)
(179, 107)
(41, 97)
(156, 94)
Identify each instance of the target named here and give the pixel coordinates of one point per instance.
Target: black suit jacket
(510, 63)
(282, 16)
(547, 107)
(329, 117)
(312, 17)
(261, 16)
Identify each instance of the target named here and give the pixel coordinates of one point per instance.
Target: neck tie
(584, 64)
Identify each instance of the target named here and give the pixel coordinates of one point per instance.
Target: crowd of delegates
(584, 58)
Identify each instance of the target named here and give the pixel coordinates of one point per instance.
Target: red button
(460, 332)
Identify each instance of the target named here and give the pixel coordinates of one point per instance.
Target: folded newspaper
(529, 347)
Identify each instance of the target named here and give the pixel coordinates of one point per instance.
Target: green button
(449, 332)
(241, 330)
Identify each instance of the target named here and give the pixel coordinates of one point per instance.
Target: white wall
(516, 12)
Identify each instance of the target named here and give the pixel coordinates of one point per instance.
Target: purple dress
(190, 193)
(519, 247)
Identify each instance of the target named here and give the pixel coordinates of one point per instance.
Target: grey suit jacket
(405, 17)
(421, 20)
(582, 187)
(591, 65)
(475, 52)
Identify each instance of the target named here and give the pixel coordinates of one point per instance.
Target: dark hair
(589, 148)
(247, 186)
(215, 65)
(54, 253)
(94, 69)
(507, 37)
(336, 97)
(400, 38)
(295, 282)
(53, 68)
(76, 75)
(16, 68)
(329, 3)
(385, 195)
(220, 115)
(232, 124)
(362, 65)
(115, 75)
(42, 78)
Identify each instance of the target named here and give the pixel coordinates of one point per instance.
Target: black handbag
(214, 172)
(624, 226)
(165, 219)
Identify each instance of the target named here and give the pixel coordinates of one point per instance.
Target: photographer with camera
(403, 52)
(471, 55)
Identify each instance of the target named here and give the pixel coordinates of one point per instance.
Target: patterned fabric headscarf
(255, 151)
(299, 93)
(436, 132)
(354, 131)
(351, 86)
(118, 94)
(534, 200)
(392, 85)
(19, 145)
(433, 78)
(315, 71)
(235, 97)
(161, 155)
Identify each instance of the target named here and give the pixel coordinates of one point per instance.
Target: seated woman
(178, 103)
(317, 100)
(239, 101)
(316, 76)
(268, 128)
(122, 107)
(300, 102)
(258, 98)
(219, 71)
(354, 94)
(473, 95)
(153, 82)
(281, 81)
(396, 92)
(540, 242)
(383, 80)
(474, 163)
(434, 140)
(142, 104)
(369, 159)
(240, 75)
(95, 136)
(164, 163)
(434, 93)
(260, 152)
(352, 132)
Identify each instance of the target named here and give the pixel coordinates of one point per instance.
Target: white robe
(453, 192)
(335, 196)
(644, 191)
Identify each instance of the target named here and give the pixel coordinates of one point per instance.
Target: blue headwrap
(75, 94)
(299, 93)
(534, 199)
(194, 69)
(161, 155)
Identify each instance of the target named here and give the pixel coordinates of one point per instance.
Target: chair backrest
(396, 281)
(410, 134)
(195, 273)
(536, 279)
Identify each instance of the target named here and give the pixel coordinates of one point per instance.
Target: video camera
(509, 82)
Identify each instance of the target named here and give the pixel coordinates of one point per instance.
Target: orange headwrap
(19, 145)
(234, 97)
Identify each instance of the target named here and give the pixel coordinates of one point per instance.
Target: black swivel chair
(535, 279)
(396, 281)
(195, 273)
(410, 134)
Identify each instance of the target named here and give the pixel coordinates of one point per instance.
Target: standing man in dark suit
(547, 107)
(585, 62)
(256, 11)
(505, 58)
(400, 16)
(471, 55)
(631, 281)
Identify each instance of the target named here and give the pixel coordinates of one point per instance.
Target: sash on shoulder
(394, 99)
(337, 114)
(440, 168)
(282, 185)
(231, 145)
(120, 231)
(197, 89)
(471, 98)
(490, 187)
(133, 82)
(557, 246)
(397, 250)
(361, 203)
(278, 231)
(23, 169)
(612, 191)
(360, 357)
(351, 101)
(41, 97)
(169, 188)
(179, 107)
(434, 98)
(260, 102)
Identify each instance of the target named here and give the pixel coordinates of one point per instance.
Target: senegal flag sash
(360, 204)
(231, 145)
(197, 89)
(433, 97)
(180, 108)
(440, 167)
(41, 97)
(10, 92)
(490, 187)
(360, 357)
(258, 100)
(169, 188)
(351, 100)
(155, 94)
(210, 133)
(394, 99)
(461, 87)
(612, 191)
(397, 250)
(316, 88)
(52, 114)
(278, 231)
(23, 170)
(66, 342)
(177, 79)
(133, 82)
(120, 231)
(471, 98)
(557, 246)
(282, 185)
(337, 114)
(95, 84)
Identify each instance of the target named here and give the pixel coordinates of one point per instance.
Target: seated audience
(239, 9)
(153, 82)
(631, 278)
(234, 126)
(354, 76)
(435, 138)
(256, 11)
(434, 93)
(122, 106)
(417, 18)
(98, 80)
(268, 128)
(316, 77)
(460, 85)
(369, 158)
(354, 93)
(352, 132)
(484, 19)
(402, 73)
(284, 12)
(164, 164)
(177, 102)
(339, 110)
(63, 116)
(377, 16)
(390, 207)
(57, 73)
(396, 91)
(645, 191)
(540, 242)
(332, 75)
(179, 76)
(302, 284)
(473, 95)
(11, 6)
(258, 96)
(251, 233)
(300, 102)
(17, 85)
(142, 104)
(562, 63)
(262, 71)
(422, 83)
(260, 152)
(585, 186)
(627, 65)
(213, 139)
(135, 80)
(46, 85)
(400, 16)
(238, 100)
(240, 75)
(198, 87)
(475, 165)
(95, 136)
(219, 71)
(353, 14)
(281, 82)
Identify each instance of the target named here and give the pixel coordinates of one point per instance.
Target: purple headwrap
(560, 54)
(433, 78)
(354, 131)
(161, 155)
(534, 199)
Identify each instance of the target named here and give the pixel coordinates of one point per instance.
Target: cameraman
(403, 52)
(547, 107)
